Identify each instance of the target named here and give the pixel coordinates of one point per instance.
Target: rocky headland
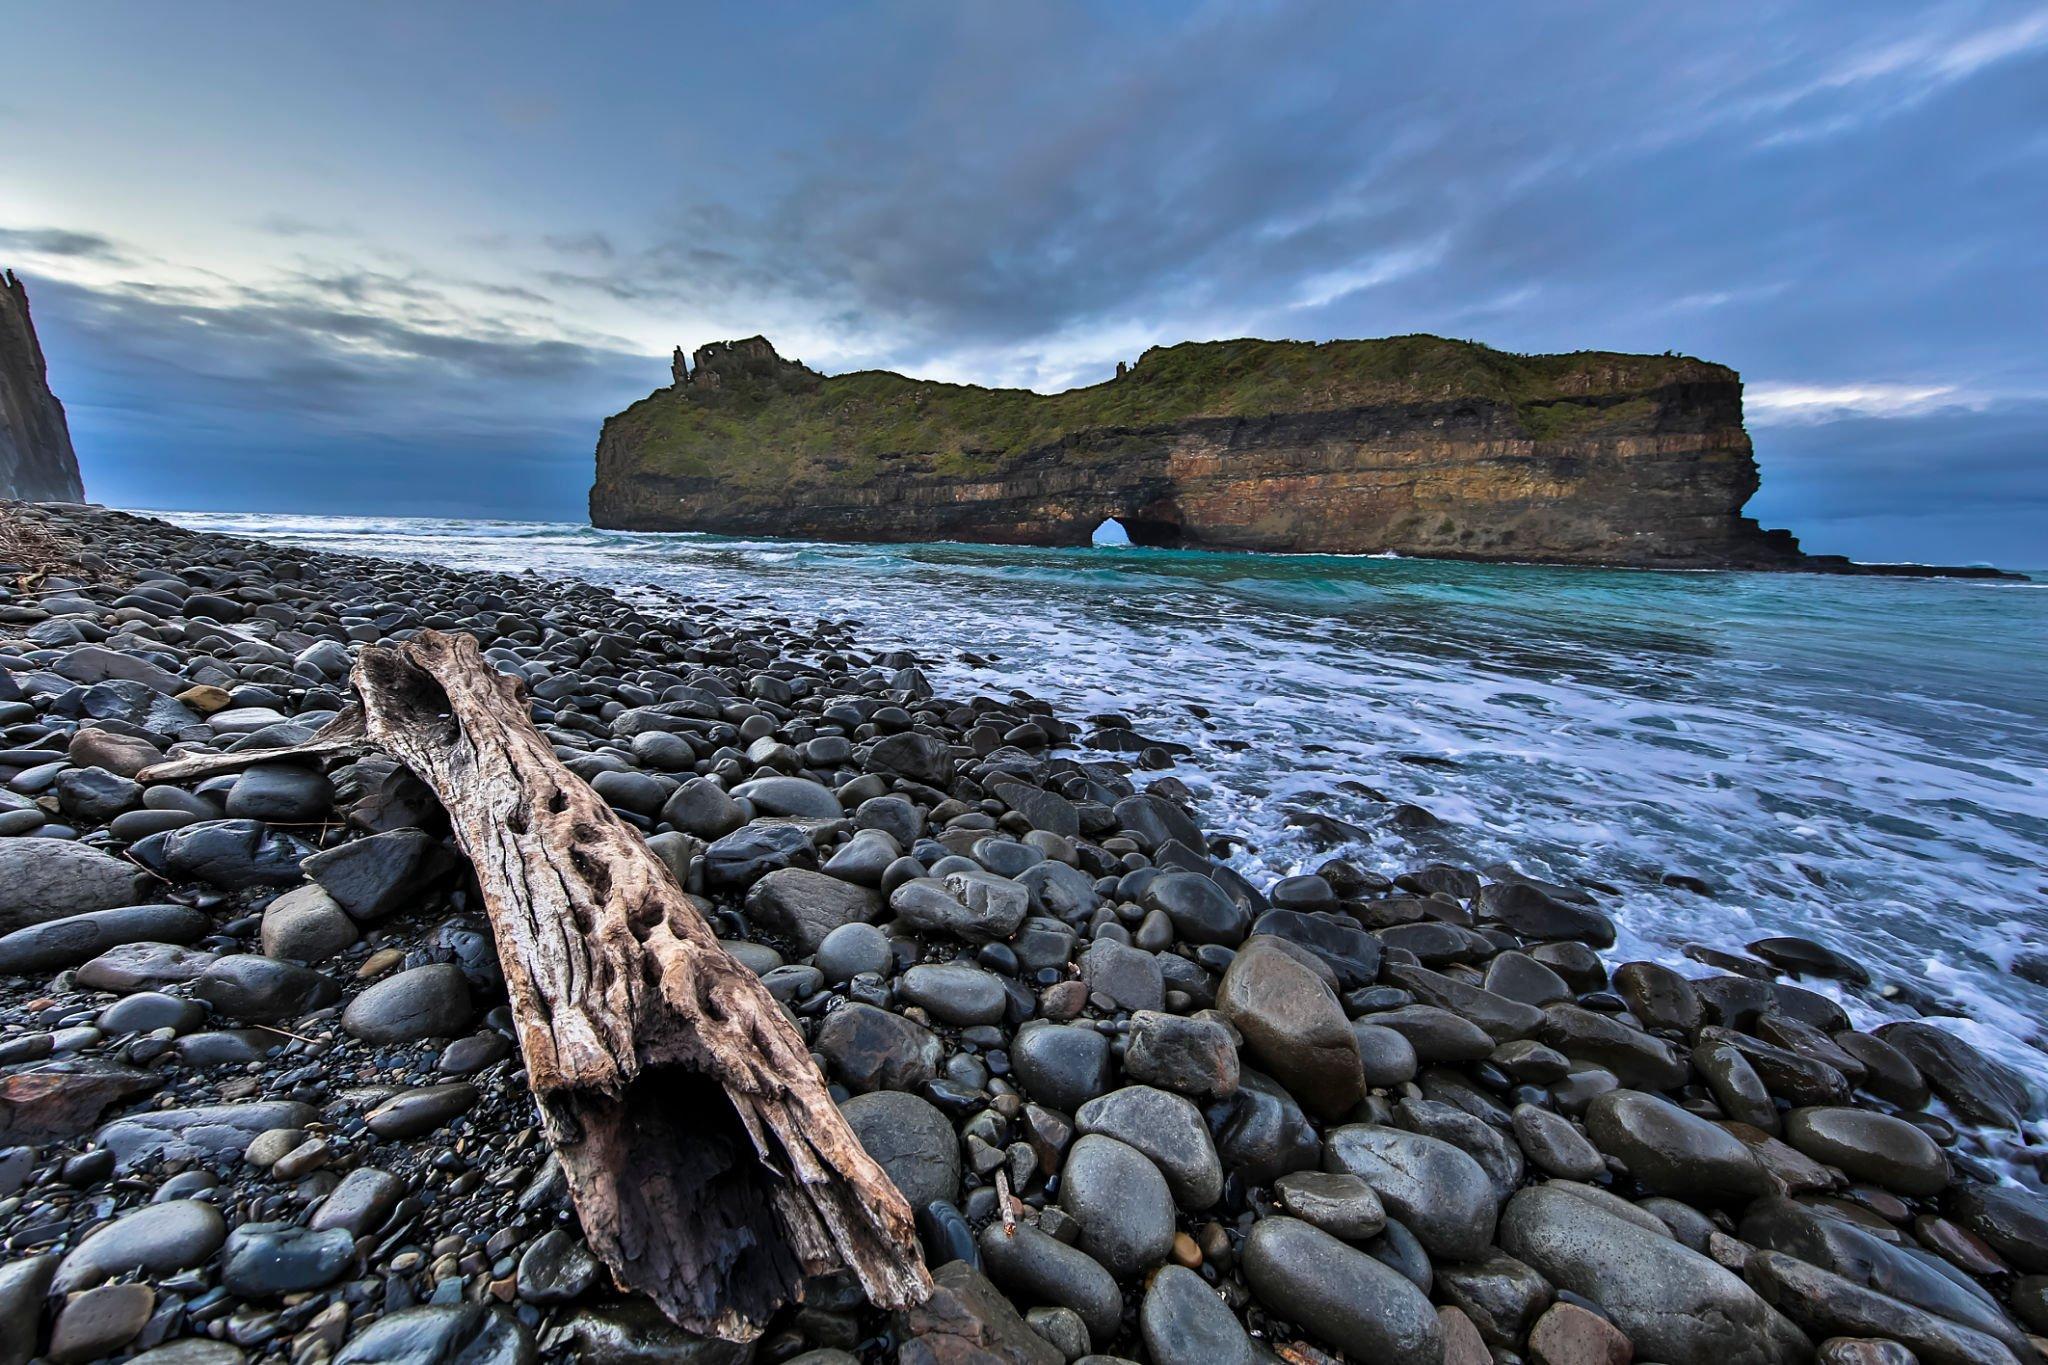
(260, 1096)
(1415, 445)
(36, 459)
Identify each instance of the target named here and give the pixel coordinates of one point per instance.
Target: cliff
(37, 463)
(1417, 445)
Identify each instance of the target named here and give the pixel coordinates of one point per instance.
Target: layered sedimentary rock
(1416, 445)
(36, 460)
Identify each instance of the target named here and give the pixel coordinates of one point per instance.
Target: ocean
(1859, 761)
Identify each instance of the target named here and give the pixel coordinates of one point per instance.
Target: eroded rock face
(1413, 444)
(36, 460)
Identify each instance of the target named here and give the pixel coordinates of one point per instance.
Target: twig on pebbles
(1003, 1202)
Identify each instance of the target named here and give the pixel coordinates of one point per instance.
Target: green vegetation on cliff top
(761, 432)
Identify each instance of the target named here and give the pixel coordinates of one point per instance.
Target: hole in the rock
(1129, 529)
(1111, 532)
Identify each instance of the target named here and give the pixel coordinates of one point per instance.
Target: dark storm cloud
(319, 392)
(89, 246)
(1829, 199)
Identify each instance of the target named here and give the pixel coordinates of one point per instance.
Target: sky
(403, 259)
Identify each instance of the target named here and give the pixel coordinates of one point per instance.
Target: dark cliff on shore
(37, 463)
(1417, 445)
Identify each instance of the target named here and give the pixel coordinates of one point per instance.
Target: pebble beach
(261, 1097)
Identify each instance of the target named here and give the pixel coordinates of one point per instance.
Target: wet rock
(2013, 1220)
(1386, 1056)
(1182, 1319)
(1554, 1146)
(1036, 1268)
(1293, 1027)
(1195, 1057)
(1433, 1034)
(1660, 997)
(262, 1260)
(1351, 953)
(1168, 1129)
(1502, 1019)
(423, 1002)
(1121, 1202)
(871, 1049)
(918, 757)
(1862, 1351)
(381, 875)
(1061, 1065)
(410, 1113)
(199, 1133)
(912, 1141)
(1640, 1061)
(1828, 1305)
(1343, 1296)
(99, 1322)
(236, 855)
(556, 1268)
(1199, 909)
(972, 907)
(1675, 1305)
(1671, 1151)
(1533, 913)
(1980, 1089)
(1569, 1335)
(1870, 1146)
(1500, 1295)
(966, 1321)
(153, 1241)
(1736, 1086)
(49, 879)
(1802, 956)
(74, 939)
(1887, 1072)
(464, 1334)
(263, 989)
(805, 906)
(955, 993)
(1266, 1134)
(1129, 977)
(1443, 1196)
(1342, 1205)
(281, 793)
(1864, 1258)
(1151, 821)
(306, 925)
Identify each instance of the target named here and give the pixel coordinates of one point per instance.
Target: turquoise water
(1862, 761)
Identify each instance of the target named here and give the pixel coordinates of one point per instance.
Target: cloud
(1766, 404)
(60, 243)
(1844, 211)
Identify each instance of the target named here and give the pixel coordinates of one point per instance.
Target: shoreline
(1851, 568)
(1422, 985)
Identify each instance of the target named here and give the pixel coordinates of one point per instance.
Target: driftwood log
(710, 1168)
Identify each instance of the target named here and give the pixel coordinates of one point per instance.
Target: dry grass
(33, 553)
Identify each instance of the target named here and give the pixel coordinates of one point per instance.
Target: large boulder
(1366, 1309)
(1675, 1305)
(1444, 1196)
(804, 906)
(1293, 1027)
(46, 879)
